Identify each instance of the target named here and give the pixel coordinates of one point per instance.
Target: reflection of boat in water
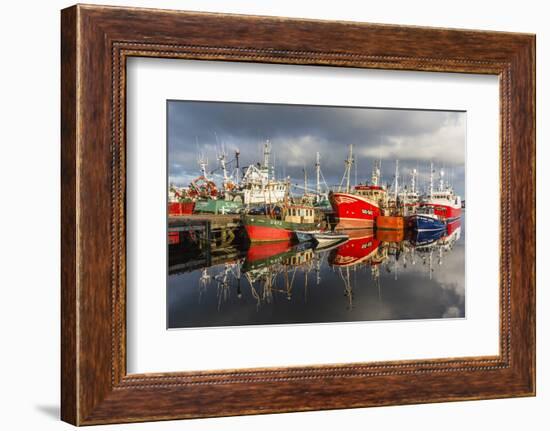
(261, 255)
(419, 238)
(264, 264)
(361, 245)
(326, 240)
(390, 235)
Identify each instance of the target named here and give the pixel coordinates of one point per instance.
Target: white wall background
(29, 214)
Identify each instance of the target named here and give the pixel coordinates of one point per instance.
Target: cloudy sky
(296, 132)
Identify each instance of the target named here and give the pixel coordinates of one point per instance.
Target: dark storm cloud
(297, 132)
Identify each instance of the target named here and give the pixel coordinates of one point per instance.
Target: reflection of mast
(431, 262)
(348, 290)
(375, 272)
(203, 282)
(305, 285)
(318, 268)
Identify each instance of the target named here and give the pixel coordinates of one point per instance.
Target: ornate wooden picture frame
(96, 41)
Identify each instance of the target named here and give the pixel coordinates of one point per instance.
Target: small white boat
(329, 236)
(328, 240)
(304, 235)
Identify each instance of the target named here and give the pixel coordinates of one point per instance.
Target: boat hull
(302, 236)
(265, 229)
(353, 211)
(448, 212)
(422, 222)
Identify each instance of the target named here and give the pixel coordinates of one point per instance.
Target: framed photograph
(323, 214)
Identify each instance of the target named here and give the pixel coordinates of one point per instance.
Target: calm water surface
(372, 276)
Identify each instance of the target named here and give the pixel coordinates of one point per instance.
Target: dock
(205, 231)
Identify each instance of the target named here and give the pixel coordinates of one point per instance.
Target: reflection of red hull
(452, 226)
(180, 208)
(268, 233)
(357, 249)
(353, 211)
(263, 251)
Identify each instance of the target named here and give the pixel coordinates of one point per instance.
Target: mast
(221, 158)
(396, 179)
(347, 170)
(203, 163)
(349, 162)
(318, 173)
(431, 189)
(375, 178)
(267, 152)
(305, 181)
(441, 181)
(413, 180)
(237, 172)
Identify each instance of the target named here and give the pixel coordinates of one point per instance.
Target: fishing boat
(317, 197)
(426, 219)
(178, 202)
(409, 197)
(259, 185)
(445, 203)
(359, 206)
(282, 227)
(203, 195)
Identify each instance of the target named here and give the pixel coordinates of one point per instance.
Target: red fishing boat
(178, 202)
(445, 203)
(358, 207)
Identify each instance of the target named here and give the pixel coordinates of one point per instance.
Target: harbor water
(374, 276)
